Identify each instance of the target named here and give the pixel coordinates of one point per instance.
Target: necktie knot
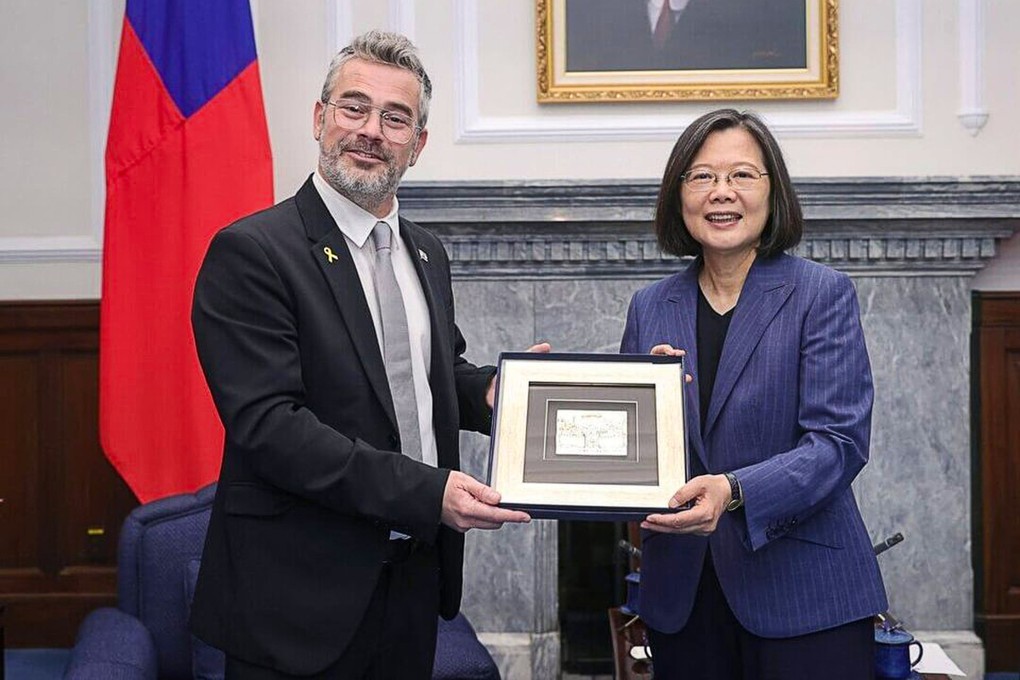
(382, 236)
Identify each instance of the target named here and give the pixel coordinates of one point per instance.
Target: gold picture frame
(602, 51)
(588, 436)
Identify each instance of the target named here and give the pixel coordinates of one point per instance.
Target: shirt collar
(675, 5)
(355, 222)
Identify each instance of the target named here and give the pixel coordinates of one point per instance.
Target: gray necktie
(396, 343)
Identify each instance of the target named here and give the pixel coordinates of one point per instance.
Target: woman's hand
(711, 495)
(666, 350)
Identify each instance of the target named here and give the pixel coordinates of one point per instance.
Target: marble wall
(559, 264)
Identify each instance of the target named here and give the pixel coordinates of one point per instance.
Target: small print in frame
(588, 436)
(589, 432)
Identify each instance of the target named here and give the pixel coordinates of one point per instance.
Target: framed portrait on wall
(648, 50)
(588, 436)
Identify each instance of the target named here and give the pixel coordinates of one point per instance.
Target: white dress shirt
(357, 224)
(655, 8)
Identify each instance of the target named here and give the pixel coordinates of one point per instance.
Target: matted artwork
(588, 435)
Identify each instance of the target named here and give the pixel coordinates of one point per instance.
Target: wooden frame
(610, 58)
(635, 458)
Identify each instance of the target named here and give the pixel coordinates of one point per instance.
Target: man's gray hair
(383, 48)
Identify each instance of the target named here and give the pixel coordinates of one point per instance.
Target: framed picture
(593, 436)
(647, 50)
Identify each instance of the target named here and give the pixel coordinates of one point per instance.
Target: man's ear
(423, 137)
(318, 120)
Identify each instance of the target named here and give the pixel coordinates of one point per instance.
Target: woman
(771, 573)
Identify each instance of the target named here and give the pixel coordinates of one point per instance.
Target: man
(325, 327)
(672, 35)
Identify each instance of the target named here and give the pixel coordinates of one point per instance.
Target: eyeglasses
(351, 114)
(740, 179)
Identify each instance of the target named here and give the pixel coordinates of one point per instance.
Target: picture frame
(610, 51)
(588, 436)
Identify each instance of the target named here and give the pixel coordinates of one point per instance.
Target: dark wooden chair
(628, 631)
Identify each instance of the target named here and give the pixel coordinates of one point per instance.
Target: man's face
(363, 164)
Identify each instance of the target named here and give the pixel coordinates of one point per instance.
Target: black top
(712, 329)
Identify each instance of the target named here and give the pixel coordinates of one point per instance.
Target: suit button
(394, 441)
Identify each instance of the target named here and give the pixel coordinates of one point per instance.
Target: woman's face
(725, 220)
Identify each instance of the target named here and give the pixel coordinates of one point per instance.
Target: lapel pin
(423, 255)
(330, 257)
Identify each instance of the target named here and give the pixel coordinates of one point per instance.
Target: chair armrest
(112, 645)
(460, 655)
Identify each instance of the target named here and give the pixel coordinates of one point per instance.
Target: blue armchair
(146, 636)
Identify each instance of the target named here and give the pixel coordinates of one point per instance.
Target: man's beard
(366, 189)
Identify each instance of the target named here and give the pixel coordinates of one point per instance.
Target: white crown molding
(37, 249)
(973, 113)
(402, 19)
(472, 126)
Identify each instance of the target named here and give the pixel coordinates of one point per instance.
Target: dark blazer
(790, 416)
(312, 479)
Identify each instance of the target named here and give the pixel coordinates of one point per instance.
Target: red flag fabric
(187, 153)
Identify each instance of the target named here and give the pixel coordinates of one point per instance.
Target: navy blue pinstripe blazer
(790, 416)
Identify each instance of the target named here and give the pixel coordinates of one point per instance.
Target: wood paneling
(997, 477)
(63, 502)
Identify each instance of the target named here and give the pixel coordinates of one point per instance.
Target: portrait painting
(634, 50)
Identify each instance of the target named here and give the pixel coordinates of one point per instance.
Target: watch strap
(736, 495)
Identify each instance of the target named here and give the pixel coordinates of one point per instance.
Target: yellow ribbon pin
(330, 257)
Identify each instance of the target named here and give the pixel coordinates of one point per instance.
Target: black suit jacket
(312, 479)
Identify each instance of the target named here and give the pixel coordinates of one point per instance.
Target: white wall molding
(340, 22)
(402, 18)
(88, 247)
(472, 126)
(21, 249)
(973, 113)
(102, 70)
(339, 26)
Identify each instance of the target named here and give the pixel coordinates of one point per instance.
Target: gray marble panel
(495, 316)
(502, 578)
(918, 479)
(545, 658)
(583, 315)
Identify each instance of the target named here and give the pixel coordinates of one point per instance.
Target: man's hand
(469, 504)
(710, 493)
(670, 351)
(490, 394)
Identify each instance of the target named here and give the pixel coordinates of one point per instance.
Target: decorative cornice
(553, 256)
(859, 198)
(875, 227)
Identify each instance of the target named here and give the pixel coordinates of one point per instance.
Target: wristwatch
(736, 497)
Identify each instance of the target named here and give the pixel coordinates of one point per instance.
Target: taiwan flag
(188, 153)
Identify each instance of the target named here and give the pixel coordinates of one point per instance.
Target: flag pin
(330, 257)
(423, 255)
